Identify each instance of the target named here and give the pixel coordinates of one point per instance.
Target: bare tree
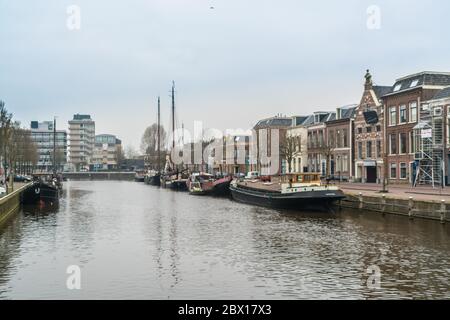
(130, 152)
(290, 148)
(120, 157)
(149, 144)
(60, 158)
(326, 149)
(5, 135)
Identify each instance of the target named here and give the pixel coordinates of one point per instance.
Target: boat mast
(159, 137)
(54, 146)
(173, 114)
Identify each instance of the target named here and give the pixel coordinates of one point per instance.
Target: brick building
(369, 135)
(340, 139)
(402, 107)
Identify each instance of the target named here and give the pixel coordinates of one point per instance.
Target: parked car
(21, 178)
(239, 175)
(252, 175)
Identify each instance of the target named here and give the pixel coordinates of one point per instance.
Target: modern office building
(81, 141)
(106, 154)
(42, 134)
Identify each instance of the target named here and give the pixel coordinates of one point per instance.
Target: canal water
(133, 241)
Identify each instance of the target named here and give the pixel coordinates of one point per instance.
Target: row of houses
(398, 132)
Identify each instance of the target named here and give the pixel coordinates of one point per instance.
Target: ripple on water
(137, 241)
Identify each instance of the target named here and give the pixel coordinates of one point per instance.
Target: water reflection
(137, 241)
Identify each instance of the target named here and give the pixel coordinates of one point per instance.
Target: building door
(332, 167)
(371, 175)
(413, 172)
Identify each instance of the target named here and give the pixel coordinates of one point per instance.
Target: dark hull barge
(41, 192)
(278, 200)
(296, 191)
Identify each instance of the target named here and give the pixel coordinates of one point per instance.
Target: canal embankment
(421, 202)
(117, 176)
(10, 203)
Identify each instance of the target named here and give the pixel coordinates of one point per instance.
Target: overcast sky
(234, 64)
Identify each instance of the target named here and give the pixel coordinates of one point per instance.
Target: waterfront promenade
(404, 192)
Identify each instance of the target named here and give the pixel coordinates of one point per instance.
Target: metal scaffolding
(429, 140)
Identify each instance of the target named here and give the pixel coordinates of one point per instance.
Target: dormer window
(414, 83)
(397, 87)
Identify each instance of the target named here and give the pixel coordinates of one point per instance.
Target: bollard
(360, 201)
(411, 207)
(443, 211)
(383, 204)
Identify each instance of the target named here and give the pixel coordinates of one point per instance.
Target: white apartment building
(300, 162)
(81, 141)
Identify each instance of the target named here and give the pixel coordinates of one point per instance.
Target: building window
(403, 118)
(345, 163)
(378, 128)
(403, 143)
(439, 129)
(331, 138)
(393, 171)
(448, 124)
(360, 152)
(392, 144)
(321, 141)
(412, 142)
(392, 116)
(345, 134)
(378, 148)
(413, 112)
(369, 149)
(359, 130)
(338, 139)
(369, 129)
(403, 172)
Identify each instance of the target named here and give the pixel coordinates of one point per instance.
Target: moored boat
(221, 186)
(200, 183)
(207, 184)
(153, 178)
(139, 176)
(47, 192)
(300, 191)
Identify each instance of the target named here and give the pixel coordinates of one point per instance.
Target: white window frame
(412, 142)
(400, 171)
(400, 109)
(411, 120)
(390, 170)
(392, 110)
(390, 144)
(400, 145)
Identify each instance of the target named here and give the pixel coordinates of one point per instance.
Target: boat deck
(259, 185)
